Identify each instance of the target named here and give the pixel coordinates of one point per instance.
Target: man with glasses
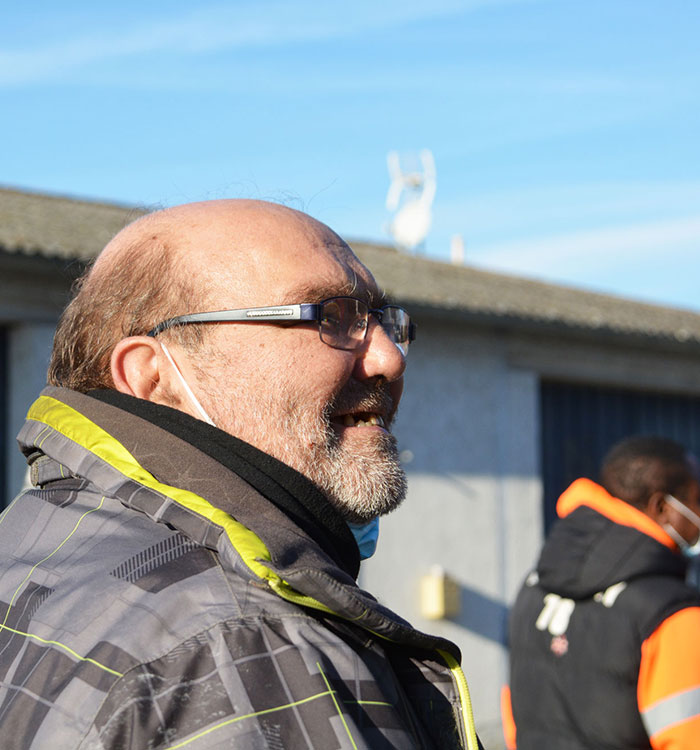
(210, 461)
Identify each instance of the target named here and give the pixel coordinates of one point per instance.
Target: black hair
(638, 466)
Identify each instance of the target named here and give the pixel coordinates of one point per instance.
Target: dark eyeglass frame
(298, 313)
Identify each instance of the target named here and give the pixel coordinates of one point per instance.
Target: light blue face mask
(366, 536)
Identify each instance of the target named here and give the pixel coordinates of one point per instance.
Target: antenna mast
(410, 197)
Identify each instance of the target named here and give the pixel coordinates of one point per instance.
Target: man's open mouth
(361, 419)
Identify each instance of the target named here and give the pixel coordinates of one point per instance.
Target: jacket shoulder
(649, 600)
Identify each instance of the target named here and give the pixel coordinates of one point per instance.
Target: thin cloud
(534, 210)
(418, 76)
(575, 253)
(223, 27)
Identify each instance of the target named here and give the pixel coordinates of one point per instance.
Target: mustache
(357, 396)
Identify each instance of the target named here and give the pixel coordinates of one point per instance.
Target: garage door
(580, 423)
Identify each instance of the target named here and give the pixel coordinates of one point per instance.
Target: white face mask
(688, 550)
(188, 390)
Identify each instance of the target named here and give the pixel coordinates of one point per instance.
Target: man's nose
(379, 356)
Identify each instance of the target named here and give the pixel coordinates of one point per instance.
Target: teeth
(373, 419)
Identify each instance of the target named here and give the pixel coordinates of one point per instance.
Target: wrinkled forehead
(341, 277)
(308, 267)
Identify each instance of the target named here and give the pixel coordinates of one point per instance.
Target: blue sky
(565, 132)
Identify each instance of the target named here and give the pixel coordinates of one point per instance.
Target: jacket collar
(181, 451)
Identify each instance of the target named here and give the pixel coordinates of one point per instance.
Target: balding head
(240, 243)
(199, 256)
(324, 410)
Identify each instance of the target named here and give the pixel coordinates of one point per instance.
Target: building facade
(514, 388)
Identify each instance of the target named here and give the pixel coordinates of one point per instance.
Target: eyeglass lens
(343, 323)
(395, 323)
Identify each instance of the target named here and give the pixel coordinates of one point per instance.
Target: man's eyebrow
(311, 293)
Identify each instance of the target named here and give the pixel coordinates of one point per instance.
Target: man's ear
(135, 366)
(657, 507)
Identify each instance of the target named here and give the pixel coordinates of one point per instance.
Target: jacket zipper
(467, 713)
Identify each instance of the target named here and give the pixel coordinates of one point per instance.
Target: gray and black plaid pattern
(128, 621)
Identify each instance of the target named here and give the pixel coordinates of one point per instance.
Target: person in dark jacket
(209, 463)
(605, 633)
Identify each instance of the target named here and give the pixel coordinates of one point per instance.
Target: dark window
(580, 423)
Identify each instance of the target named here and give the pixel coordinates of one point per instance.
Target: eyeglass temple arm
(244, 315)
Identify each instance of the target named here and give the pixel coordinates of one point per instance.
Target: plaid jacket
(134, 613)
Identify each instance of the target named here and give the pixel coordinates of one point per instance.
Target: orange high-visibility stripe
(507, 718)
(586, 492)
(669, 678)
(684, 736)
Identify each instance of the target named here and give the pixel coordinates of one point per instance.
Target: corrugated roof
(58, 227)
(62, 227)
(486, 296)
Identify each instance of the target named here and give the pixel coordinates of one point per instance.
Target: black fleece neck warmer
(286, 488)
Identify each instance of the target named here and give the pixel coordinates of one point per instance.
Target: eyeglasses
(342, 321)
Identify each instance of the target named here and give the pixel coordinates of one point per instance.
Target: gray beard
(361, 481)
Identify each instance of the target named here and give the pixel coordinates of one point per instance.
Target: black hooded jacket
(601, 588)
